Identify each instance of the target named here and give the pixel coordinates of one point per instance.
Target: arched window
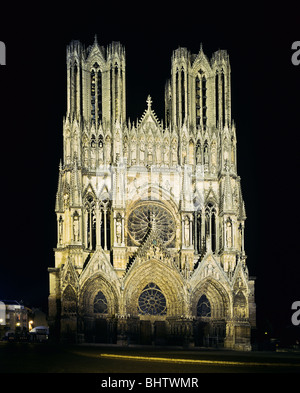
(105, 233)
(100, 303)
(199, 244)
(204, 97)
(152, 301)
(90, 214)
(206, 155)
(115, 79)
(217, 97)
(220, 98)
(69, 301)
(93, 95)
(198, 152)
(182, 96)
(96, 93)
(197, 101)
(223, 98)
(177, 97)
(203, 307)
(75, 87)
(210, 225)
(99, 95)
(116, 91)
(213, 230)
(201, 99)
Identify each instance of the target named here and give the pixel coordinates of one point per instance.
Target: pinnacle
(149, 102)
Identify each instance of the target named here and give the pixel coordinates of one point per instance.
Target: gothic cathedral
(150, 215)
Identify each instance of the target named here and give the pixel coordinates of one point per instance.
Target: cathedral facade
(150, 215)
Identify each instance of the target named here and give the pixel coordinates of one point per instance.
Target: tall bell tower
(96, 83)
(198, 92)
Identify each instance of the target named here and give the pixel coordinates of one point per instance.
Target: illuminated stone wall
(150, 216)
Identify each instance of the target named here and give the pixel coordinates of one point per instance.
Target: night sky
(265, 108)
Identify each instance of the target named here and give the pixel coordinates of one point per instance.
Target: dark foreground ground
(50, 358)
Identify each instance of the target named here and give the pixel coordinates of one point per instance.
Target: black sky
(265, 106)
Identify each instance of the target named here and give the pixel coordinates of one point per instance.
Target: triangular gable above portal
(149, 115)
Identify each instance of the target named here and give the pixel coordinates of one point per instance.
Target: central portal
(152, 305)
(153, 332)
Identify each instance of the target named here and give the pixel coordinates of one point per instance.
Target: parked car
(39, 334)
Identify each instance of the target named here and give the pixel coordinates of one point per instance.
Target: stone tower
(150, 217)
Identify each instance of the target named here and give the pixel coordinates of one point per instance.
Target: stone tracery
(150, 216)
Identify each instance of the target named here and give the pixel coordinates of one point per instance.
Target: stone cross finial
(149, 102)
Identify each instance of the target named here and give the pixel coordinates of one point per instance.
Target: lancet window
(116, 91)
(206, 155)
(217, 97)
(198, 101)
(97, 223)
(75, 86)
(93, 95)
(96, 93)
(206, 229)
(210, 225)
(223, 98)
(177, 97)
(104, 225)
(220, 97)
(199, 243)
(99, 95)
(201, 100)
(114, 80)
(90, 221)
(180, 96)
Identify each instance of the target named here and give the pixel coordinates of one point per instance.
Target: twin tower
(150, 215)
(198, 93)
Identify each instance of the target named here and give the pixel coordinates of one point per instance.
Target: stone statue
(76, 228)
(60, 229)
(229, 233)
(119, 229)
(187, 232)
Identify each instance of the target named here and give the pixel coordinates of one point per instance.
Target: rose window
(152, 301)
(141, 219)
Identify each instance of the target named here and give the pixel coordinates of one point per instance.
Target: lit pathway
(195, 361)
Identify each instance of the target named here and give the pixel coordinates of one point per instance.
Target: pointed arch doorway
(152, 308)
(208, 331)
